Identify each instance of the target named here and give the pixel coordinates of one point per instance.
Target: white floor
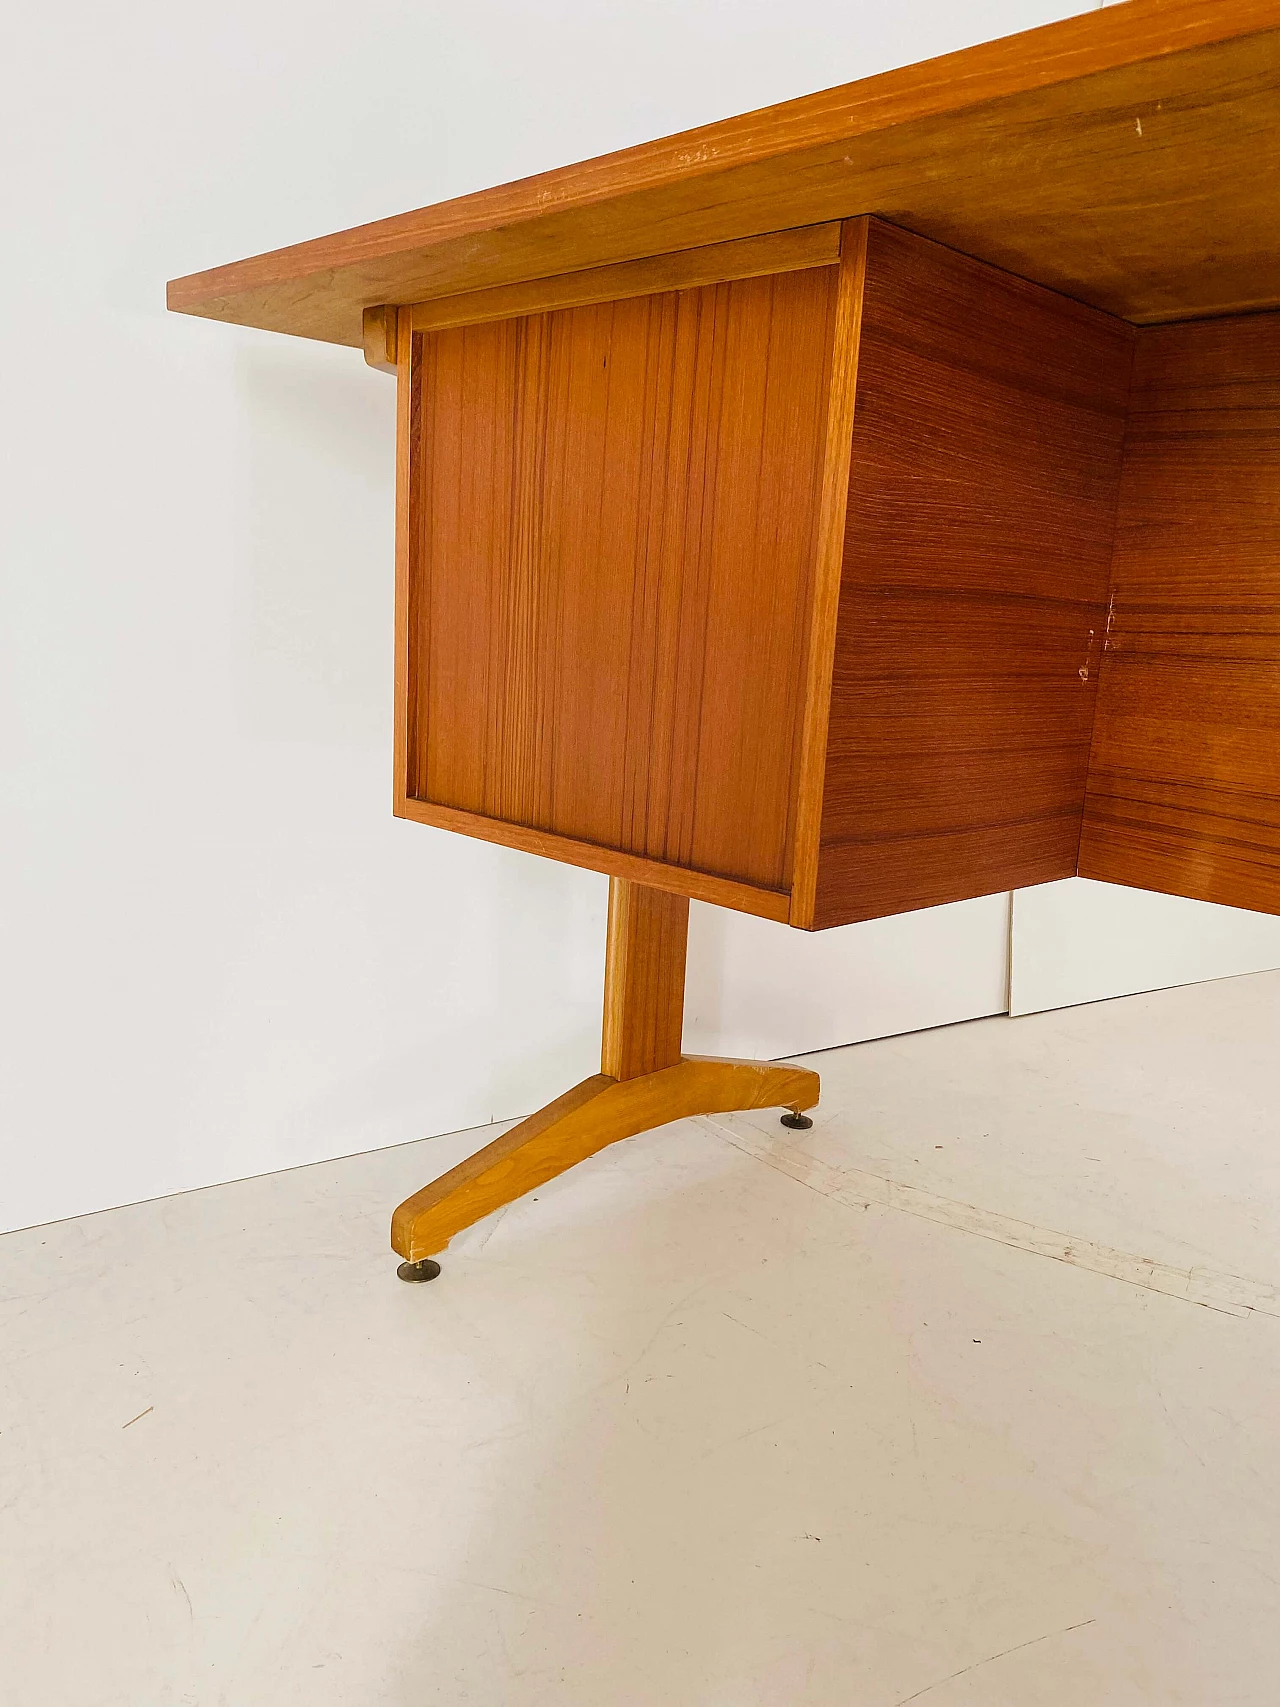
(969, 1396)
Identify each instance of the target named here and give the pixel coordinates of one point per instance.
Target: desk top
(1128, 157)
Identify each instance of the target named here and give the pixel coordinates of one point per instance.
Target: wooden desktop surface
(1127, 157)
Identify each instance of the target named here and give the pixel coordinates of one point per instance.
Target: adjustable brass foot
(796, 1121)
(419, 1271)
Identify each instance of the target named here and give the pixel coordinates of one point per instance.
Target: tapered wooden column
(643, 979)
(644, 1082)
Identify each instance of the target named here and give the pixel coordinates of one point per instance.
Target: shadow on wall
(317, 462)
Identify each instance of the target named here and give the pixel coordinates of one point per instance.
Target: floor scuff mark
(1017, 1649)
(1233, 1294)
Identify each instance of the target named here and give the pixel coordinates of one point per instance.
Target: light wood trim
(596, 1113)
(380, 337)
(748, 258)
(404, 469)
(828, 562)
(674, 879)
(643, 979)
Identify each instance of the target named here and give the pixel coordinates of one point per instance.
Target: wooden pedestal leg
(644, 1081)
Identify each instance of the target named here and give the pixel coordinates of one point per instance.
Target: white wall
(760, 989)
(220, 954)
(1081, 941)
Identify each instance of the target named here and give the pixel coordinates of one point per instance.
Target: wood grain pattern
(611, 532)
(1126, 156)
(643, 980)
(985, 463)
(1184, 781)
(749, 258)
(829, 550)
(598, 1112)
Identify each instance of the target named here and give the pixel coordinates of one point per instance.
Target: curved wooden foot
(593, 1114)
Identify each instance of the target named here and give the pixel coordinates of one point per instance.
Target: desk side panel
(611, 553)
(1184, 781)
(988, 428)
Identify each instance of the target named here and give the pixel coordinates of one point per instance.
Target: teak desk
(862, 504)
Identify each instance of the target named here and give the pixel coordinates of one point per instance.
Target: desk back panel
(610, 543)
(988, 428)
(1184, 782)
